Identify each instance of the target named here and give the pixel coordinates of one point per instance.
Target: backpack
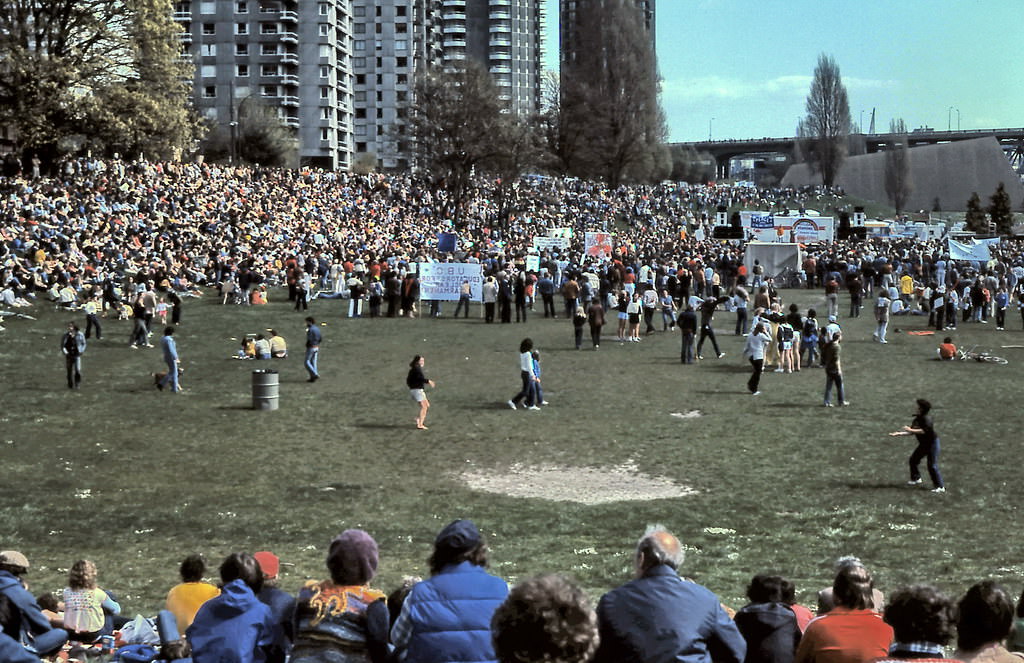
(810, 331)
(786, 332)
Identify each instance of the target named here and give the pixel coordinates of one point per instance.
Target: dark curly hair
(766, 588)
(242, 566)
(920, 613)
(192, 568)
(984, 615)
(546, 618)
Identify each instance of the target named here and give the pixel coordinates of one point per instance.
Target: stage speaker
(735, 220)
(722, 215)
(857, 232)
(727, 232)
(859, 217)
(844, 221)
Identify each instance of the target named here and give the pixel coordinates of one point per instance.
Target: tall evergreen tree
(976, 221)
(609, 93)
(1000, 211)
(898, 183)
(826, 127)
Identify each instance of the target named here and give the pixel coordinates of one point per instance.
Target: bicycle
(789, 278)
(982, 356)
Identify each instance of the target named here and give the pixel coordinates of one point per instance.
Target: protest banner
(447, 242)
(598, 244)
(443, 280)
(548, 243)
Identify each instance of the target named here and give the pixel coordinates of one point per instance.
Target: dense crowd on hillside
(461, 612)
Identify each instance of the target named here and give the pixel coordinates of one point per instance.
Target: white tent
(773, 256)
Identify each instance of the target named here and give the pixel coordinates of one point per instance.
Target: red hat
(269, 563)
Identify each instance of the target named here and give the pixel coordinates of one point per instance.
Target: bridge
(723, 151)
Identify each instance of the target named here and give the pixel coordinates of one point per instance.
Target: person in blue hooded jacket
(447, 618)
(235, 626)
(25, 619)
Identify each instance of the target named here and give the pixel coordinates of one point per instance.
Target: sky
(736, 69)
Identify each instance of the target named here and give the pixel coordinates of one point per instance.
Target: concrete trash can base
(265, 390)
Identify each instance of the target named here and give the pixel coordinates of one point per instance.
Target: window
(359, 11)
(241, 49)
(380, 62)
(241, 7)
(268, 49)
(380, 113)
(208, 7)
(325, 71)
(209, 50)
(242, 70)
(268, 90)
(401, 95)
(380, 96)
(325, 93)
(378, 11)
(359, 130)
(359, 45)
(360, 79)
(400, 10)
(402, 28)
(324, 9)
(208, 71)
(360, 147)
(209, 28)
(359, 28)
(360, 113)
(325, 113)
(323, 29)
(402, 61)
(378, 28)
(380, 79)
(358, 62)
(401, 45)
(268, 70)
(379, 44)
(325, 50)
(241, 28)
(359, 96)
(210, 92)
(268, 28)
(401, 79)
(325, 133)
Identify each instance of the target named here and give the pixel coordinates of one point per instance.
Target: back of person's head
(766, 588)
(192, 568)
(396, 599)
(352, 558)
(852, 587)
(460, 541)
(658, 546)
(811, 313)
(48, 601)
(545, 619)
(984, 616)
(920, 613)
(526, 345)
(242, 566)
(923, 406)
(82, 575)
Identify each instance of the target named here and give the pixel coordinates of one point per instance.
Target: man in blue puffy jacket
(447, 618)
(662, 618)
(23, 616)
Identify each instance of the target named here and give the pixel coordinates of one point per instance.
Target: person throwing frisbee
(927, 446)
(416, 381)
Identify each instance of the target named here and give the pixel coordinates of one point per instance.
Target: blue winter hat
(458, 536)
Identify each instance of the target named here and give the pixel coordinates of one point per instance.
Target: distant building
(341, 72)
(570, 12)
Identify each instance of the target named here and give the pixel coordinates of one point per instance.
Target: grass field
(134, 478)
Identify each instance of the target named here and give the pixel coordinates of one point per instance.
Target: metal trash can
(264, 390)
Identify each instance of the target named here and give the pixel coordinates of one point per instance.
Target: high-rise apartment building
(341, 73)
(570, 13)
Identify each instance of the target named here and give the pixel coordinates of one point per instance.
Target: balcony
(501, 69)
(289, 58)
(289, 79)
(502, 82)
(454, 15)
(185, 37)
(455, 43)
(289, 16)
(500, 15)
(290, 100)
(292, 122)
(289, 37)
(501, 27)
(495, 4)
(501, 55)
(455, 28)
(461, 4)
(499, 40)
(182, 16)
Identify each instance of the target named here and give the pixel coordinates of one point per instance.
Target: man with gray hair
(659, 617)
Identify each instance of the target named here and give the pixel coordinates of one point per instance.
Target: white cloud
(718, 87)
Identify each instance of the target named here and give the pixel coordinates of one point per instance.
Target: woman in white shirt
(757, 341)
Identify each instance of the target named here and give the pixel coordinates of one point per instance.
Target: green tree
(609, 93)
(976, 221)
(1000, 210)
(826, 127)
(260, 138)
(518, 148)
(454, 120)
(898, 182)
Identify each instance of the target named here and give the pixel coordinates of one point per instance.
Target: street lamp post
(949, 118)
(233, 154)
(957, 119)
(709, 128)
(861, 126)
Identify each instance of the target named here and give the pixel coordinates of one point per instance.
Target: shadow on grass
(237, 406)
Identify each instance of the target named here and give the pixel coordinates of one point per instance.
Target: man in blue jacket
(662, 618)
(25, 618)
(447, 618)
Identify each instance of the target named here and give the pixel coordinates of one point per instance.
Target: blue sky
(748, 64)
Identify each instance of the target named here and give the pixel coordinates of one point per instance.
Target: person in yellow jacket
(183, 600)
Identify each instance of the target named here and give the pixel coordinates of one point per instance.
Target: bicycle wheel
(995, 360)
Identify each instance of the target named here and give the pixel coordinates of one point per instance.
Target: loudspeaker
(727, 232)
(735, 221)
(721, 216)
(844, 221)
(859, 217)
(859, 232)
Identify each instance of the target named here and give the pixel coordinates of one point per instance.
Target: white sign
(977, 251)
(548, 243)
(532, 262)
(443, 280)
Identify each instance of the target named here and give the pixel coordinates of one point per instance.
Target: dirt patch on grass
(585, 485)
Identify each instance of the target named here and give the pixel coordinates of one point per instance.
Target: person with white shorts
(416, 381)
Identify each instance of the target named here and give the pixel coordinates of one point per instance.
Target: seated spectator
(26, 623)
(396, 599)
(234, 626)
(659, 617)
(278, 347)
(184, 599)
(261, 346)
(85, 603)
(921, 618)
(825, 601)
(851, 632)
(447, 617)
(1016, 641)
(545, 619)
(946, 350)
(343, 620)
(52, 609)
(281, 604)
(767, 623)
(984, 619)
(12, 651)
(803, 613)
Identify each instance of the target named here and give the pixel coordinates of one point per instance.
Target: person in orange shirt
(183, 600)
(946, 350)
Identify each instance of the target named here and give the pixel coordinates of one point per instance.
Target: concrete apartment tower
(341, 73)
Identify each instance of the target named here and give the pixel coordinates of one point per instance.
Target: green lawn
(134, 478)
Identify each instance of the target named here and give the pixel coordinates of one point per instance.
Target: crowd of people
(463, 613)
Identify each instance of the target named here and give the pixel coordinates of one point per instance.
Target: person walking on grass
(756, 343)
(72, 345)
(526, 393)
(927, 447)
(416, 381)
(170, 350)
(830, 358)
(313, 339)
